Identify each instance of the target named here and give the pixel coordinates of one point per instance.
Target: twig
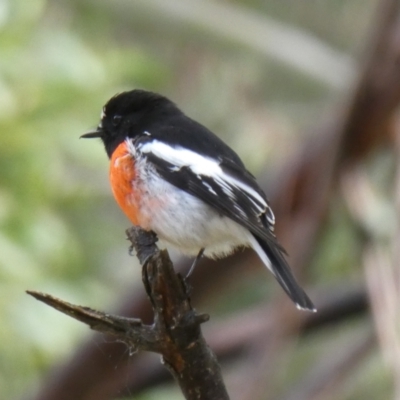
(130, 330)
(175, 333)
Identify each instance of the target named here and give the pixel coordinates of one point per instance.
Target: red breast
(122, 178)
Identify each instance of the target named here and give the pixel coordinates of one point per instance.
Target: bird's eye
(116, 120)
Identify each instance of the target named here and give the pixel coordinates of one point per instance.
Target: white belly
(186, 222)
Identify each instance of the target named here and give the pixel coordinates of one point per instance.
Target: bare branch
(129, 330)
(175, 333)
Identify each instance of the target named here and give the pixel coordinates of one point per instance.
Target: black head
(129, 114)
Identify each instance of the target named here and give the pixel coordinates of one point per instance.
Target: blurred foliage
(60, 231)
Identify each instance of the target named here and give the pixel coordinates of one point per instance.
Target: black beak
(98, 133)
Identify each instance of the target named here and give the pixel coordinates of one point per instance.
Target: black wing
(233, 192)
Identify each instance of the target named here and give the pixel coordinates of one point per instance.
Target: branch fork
(175, 333)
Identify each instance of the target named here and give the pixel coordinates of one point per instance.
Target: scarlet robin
(173, 176)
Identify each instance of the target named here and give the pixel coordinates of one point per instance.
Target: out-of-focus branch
(371, 212)
(175, 333)
(338, 305)
(357, 129)
(235, 24)
(377, 94)
(323, 381)
(384, 290)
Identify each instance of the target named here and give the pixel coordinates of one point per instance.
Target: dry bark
(175, 332)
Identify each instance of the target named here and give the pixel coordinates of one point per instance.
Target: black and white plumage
(209, 199)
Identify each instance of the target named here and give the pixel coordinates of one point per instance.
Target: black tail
(273, 258)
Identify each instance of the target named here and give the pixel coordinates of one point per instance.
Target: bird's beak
(97, 133)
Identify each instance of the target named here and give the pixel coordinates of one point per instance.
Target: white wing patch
(131, 147)
(200, 165)
(210, 189)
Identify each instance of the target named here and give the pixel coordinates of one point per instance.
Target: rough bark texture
(175, 333)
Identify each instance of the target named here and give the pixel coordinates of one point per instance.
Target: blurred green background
(60, 61)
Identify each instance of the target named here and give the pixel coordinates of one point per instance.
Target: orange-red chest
(122, 178)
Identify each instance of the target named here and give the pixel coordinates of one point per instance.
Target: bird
(172, 176)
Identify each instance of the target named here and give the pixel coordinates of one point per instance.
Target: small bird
(173, 176)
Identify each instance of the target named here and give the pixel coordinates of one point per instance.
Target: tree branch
(175, 333)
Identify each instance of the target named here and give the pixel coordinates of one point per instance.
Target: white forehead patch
(103, 113)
